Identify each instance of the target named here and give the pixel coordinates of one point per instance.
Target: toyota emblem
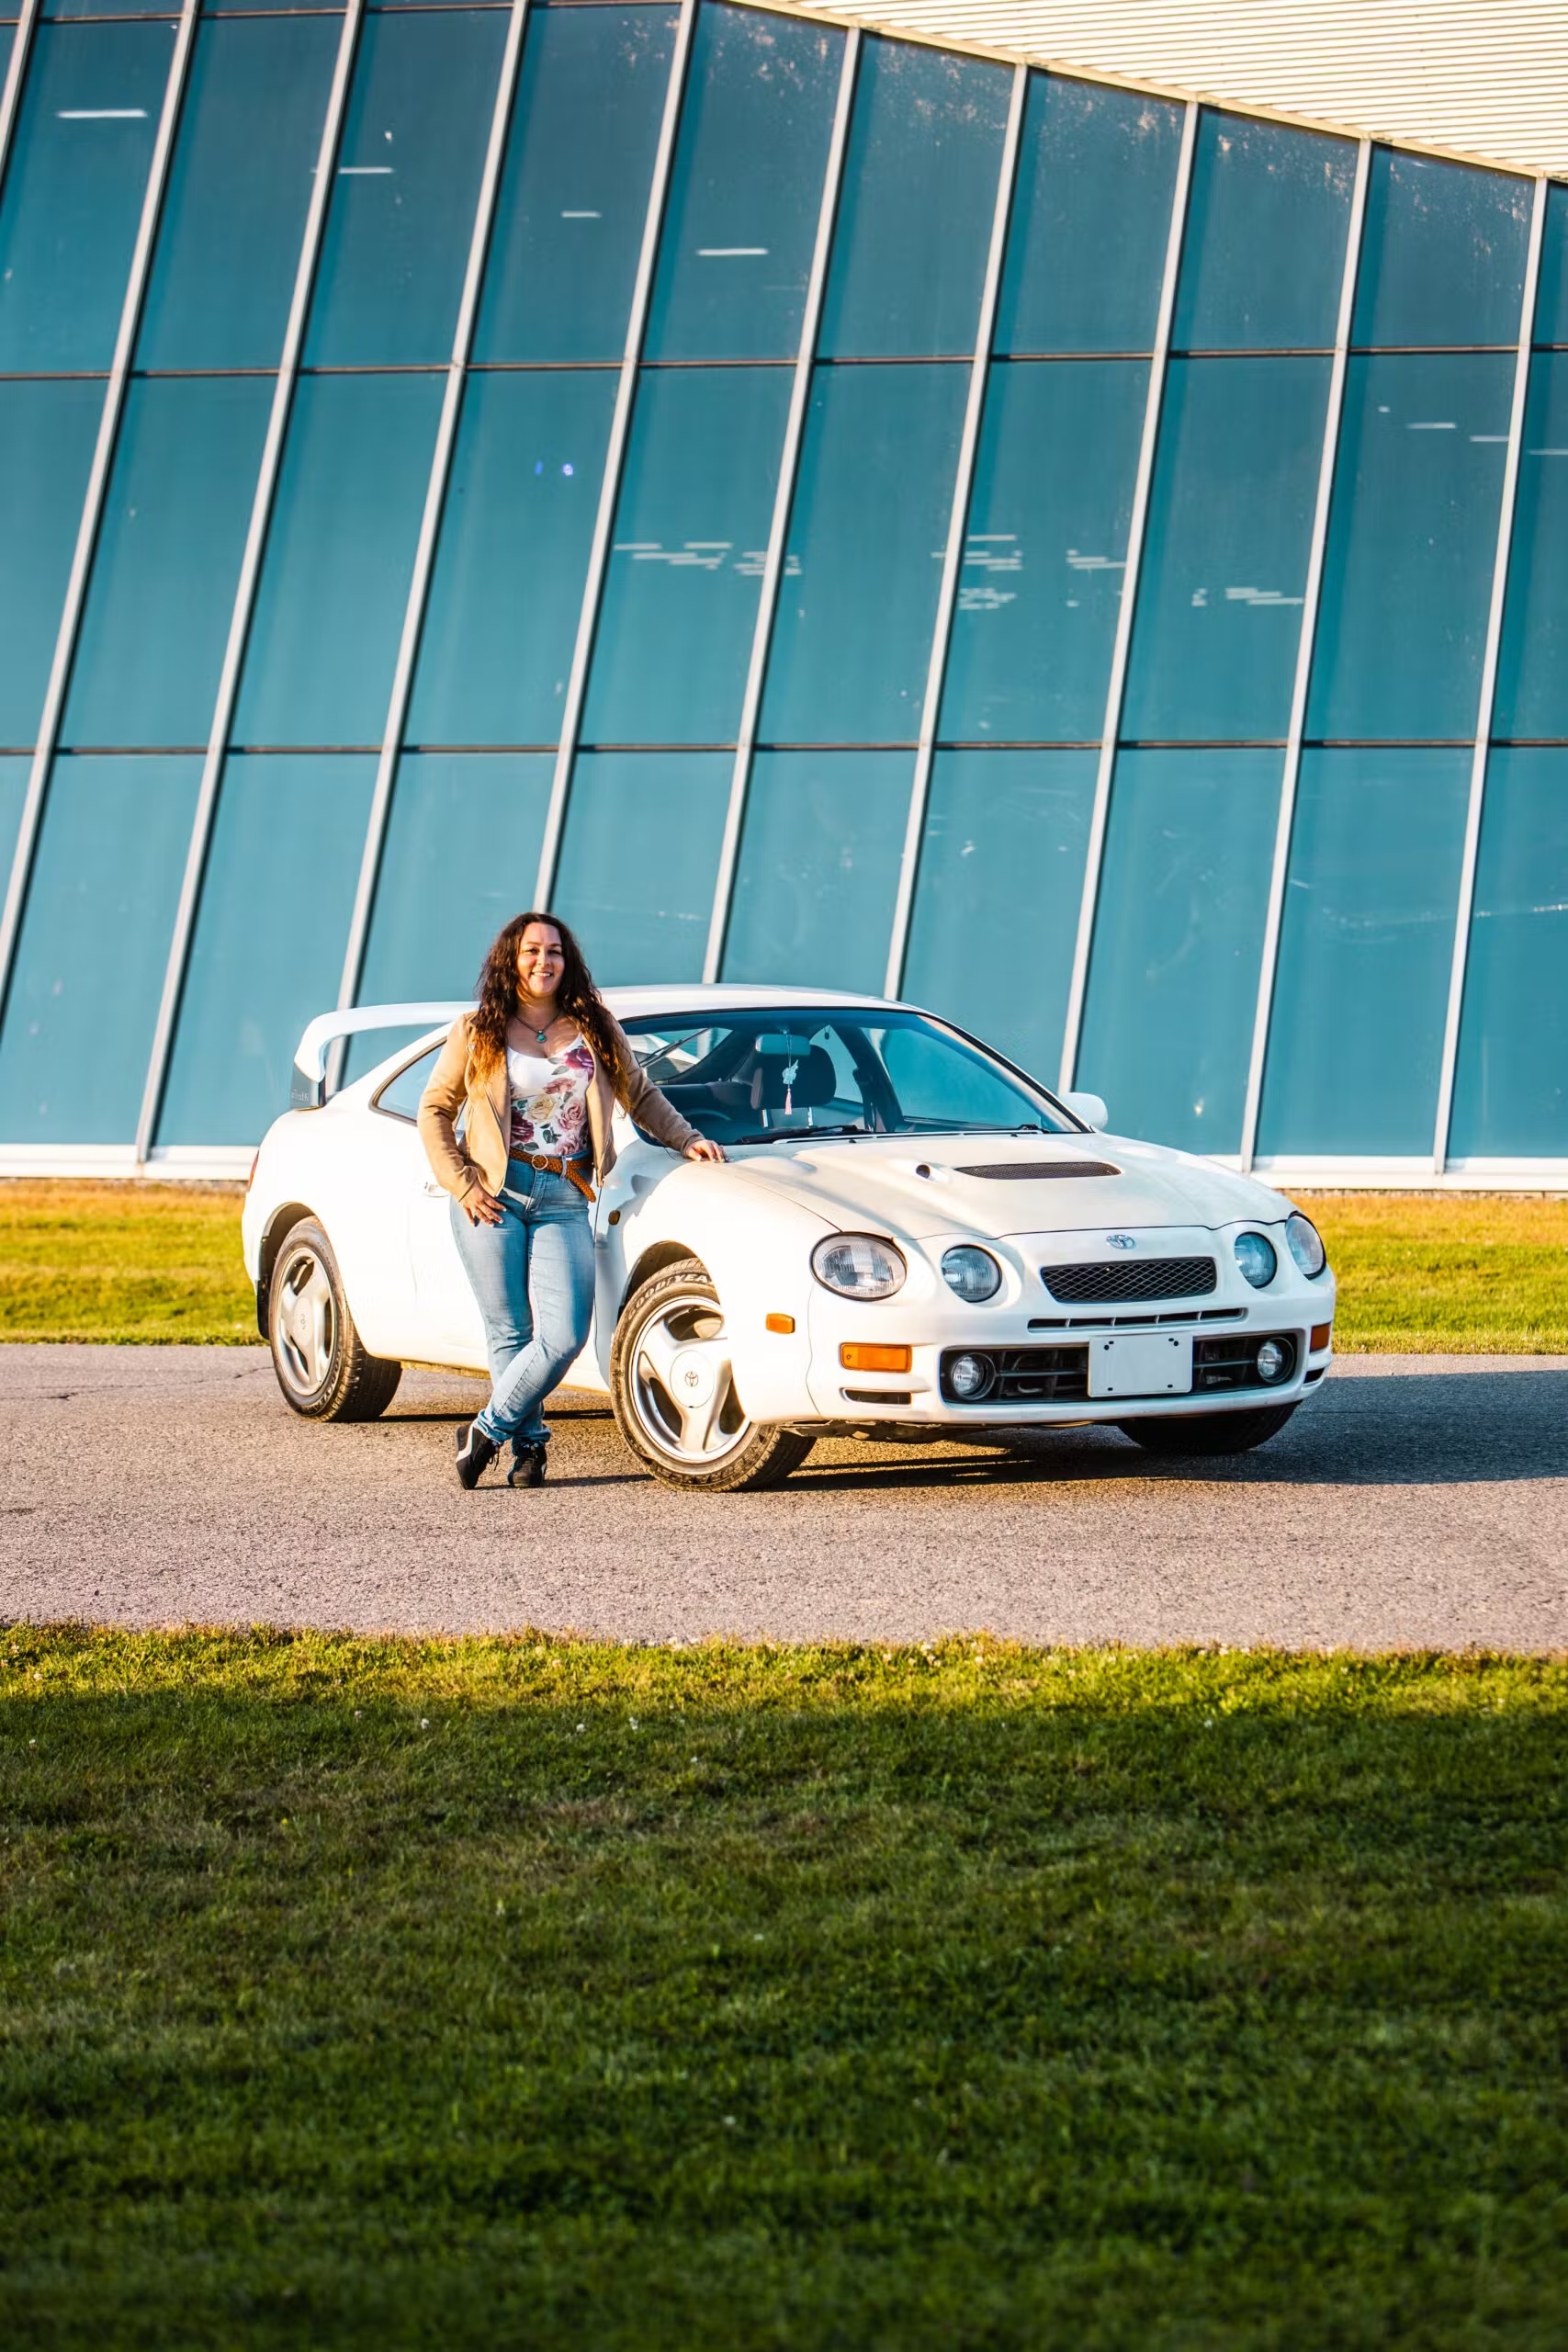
(1121, 1241)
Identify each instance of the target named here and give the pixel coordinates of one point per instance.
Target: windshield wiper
(801, 1134)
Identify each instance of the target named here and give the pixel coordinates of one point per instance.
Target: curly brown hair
(577, 996)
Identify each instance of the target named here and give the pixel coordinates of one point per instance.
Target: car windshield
(759, 1077)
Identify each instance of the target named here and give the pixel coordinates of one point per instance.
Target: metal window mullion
(615, 460)
(430, 522)
(953, 554)
(11, 89)
(1311, 599)
(784, 501)
(245, 586)
(1078, 984)
(1479, 761)
(93, 500)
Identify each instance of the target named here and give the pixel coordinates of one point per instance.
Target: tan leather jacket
(454, 1086)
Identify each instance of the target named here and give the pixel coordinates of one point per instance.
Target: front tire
(1208, 1433)
(324, 1368)
(674, 1394)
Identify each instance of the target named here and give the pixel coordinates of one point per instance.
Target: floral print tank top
(549, 1102)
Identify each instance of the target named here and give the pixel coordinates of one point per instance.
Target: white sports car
(908, 1234)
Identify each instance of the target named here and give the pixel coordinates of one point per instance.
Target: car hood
(927, 1185)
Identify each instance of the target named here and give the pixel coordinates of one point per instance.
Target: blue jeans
(533, 1276)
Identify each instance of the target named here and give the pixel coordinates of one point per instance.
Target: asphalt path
(1416, 1502)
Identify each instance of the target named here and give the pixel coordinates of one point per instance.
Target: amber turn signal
(780, 1323)
(1320, 1335)
(860, 1355)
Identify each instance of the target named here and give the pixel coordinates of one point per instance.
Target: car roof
(431, 1018)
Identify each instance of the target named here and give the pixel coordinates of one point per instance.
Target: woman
(534, 1073)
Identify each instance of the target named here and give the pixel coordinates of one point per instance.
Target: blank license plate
(1142, 1363)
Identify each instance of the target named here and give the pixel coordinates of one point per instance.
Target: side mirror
(1090, 1108)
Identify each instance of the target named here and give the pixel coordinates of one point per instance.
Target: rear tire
(1201, 1433)
(324, 1368)
(708, 1446)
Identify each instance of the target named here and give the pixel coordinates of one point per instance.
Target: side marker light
(861, 1356)
(1320, 1335)
(780, 1323)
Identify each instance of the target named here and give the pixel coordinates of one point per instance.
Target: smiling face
(539, 961)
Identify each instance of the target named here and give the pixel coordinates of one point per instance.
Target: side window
(399, 1097)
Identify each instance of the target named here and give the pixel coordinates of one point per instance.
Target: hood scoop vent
(1022, 1171)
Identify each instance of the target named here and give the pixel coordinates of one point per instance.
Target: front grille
(1046, 1375)
(1129, 1278)
(1232, 1362)
(1016, 1171)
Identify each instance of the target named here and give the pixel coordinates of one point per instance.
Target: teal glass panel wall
(851, 638)
(1511, 1083)
(1411, 541)
(1365, 953)
(1442, 255)
(439, 906)
(635, 536)
(1551, 294)
(997, 905)
(408, 172)
(1263, 256)
(74, 189)
(745, 193)
(1532, 665)
(334, 582)
(512, 557)
(639, 860)
(1029, 656)
(167, 559)
(914, 211)
(14, 772)
(1221, 596)
(679, 603)
(251, 986)
(1091, 218)
(573, 196)
(239, 186)
(47, 431)
(94, 945)
(1173, 980)
(818, 868)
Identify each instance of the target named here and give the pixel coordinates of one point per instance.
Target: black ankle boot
(527, 1466)
(475, 1453)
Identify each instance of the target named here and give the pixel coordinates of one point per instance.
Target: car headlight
(1255, 1256)
(1304, 1243)
(973, 1273)
(858, 1265)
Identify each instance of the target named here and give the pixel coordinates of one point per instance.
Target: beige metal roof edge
(1074, 69)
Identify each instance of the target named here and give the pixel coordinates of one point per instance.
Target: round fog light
(969, 1376)
(1273, 1359)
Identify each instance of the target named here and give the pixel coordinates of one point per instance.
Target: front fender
(757, 1248)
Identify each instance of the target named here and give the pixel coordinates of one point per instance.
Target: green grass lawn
(1471, 1272)
(532, 1993)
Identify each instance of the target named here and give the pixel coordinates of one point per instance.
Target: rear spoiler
(309, 1088)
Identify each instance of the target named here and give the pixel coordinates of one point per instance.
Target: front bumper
(1041, 1355)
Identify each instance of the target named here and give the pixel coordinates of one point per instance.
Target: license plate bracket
(1141, 1363)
